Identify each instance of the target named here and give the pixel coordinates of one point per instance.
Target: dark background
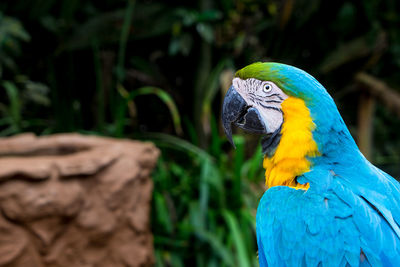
(157, 70)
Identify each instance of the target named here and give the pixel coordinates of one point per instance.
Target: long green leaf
(162, 212)
(218, 247)
(15, 104)
(162, 95)
(124, 39)
(167, 99)
(166, 140)
(100, 92)
(239, 242)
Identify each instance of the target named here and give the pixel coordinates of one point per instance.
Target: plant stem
(124, 39)
(203, 71)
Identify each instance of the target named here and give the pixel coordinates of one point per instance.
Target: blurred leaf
(216, 142)
(12, 28)
(204, 192)
(191, 131)
(176, 260)
(217, 246)
(162, 212)
(205, 31)
(37, 93)
(239, 158)
(252, 168)
(50, 23)
(241, 256)
(209, 15)
(182, 43)
(15, 105)
(158, 258)
(11, 34)
(188, 17)
(177, 143)
(165, 97)
(120, 73)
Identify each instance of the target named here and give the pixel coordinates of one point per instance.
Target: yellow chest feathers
(296, 144)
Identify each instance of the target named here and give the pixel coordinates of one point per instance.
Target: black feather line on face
(277, 95)
(264, 100)
(272, 101)
(258, 98)
(269, 107)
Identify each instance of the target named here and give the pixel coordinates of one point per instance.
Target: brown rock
(13, 241)
(73, 200)
(23, 202)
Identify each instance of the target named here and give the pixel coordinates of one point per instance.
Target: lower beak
(236, 111)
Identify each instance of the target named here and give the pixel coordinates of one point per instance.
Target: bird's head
(297, 117)
(264, 96)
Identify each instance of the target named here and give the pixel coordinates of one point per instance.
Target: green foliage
(198, 215)
(11, 34)
(19, 90)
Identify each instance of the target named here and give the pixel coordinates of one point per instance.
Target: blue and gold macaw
(325, 205)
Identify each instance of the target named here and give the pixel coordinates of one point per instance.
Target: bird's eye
(267, 88)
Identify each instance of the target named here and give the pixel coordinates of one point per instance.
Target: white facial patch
(266, 97)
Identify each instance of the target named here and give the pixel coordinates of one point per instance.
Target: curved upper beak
(235, 110)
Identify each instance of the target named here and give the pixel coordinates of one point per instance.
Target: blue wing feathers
(331, 228)
(261, 256)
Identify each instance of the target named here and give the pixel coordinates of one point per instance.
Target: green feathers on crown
(264, 71)
(293, 81)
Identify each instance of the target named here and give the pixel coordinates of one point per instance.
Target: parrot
(325, 203)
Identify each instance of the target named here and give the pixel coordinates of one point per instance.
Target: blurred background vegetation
(157, 70)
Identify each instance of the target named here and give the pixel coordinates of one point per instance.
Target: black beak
(235, 110)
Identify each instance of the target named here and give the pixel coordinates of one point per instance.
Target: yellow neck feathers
(296, 144)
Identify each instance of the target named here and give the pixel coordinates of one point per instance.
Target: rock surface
(73, 200)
